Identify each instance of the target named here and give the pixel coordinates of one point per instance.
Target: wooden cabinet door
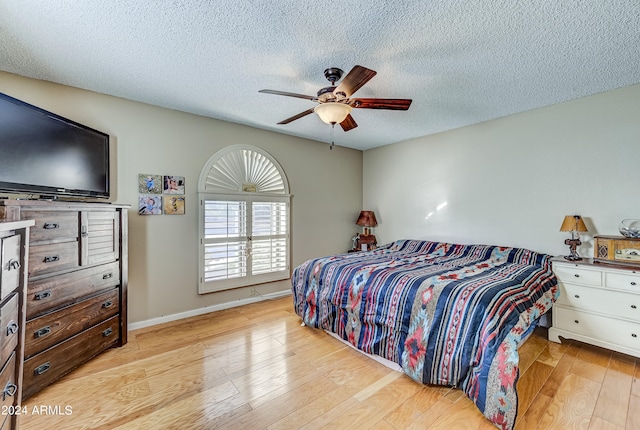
(99, 237)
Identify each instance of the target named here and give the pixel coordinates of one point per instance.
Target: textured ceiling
(462, 62)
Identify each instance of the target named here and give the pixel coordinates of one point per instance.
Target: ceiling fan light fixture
(332, 113)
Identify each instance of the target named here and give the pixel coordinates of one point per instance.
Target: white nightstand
(599, 304)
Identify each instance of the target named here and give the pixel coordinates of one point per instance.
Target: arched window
(244, 219)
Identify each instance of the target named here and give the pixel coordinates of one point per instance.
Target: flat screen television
(44, 154)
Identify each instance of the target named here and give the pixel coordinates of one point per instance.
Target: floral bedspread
(448, 314)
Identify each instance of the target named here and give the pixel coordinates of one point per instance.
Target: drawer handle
(576, 321)
(13, 264)
(50, 225)
(107, 332)
(51, 258)
(576, 275)
(9, 390)
(107, 276)
(42, 295)
(12, 328)
(42, 368)
(42, 332)
(107, 304)
(577, 296)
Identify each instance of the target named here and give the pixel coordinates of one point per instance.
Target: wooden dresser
(14, 250)
(76, 303)
(599, 304)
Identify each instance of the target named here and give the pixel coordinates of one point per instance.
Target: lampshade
(332, 112)
(573, 223)
(367, 219)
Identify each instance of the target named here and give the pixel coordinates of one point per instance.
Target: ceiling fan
(334, 102)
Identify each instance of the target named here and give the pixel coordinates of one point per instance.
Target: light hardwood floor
(255, 367)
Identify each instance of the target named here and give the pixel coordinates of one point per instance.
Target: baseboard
(207, 309)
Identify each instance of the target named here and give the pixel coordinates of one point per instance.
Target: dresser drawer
(50, 365)
(600, 300)
(52, 226)
(47, 294)
(8, 383)
(10, 260)
(578, 275)
(52, 258)
(47, 330)
(619, 332)
(623, 281)
(9, 327)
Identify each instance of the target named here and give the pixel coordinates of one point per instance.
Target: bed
(448, 314)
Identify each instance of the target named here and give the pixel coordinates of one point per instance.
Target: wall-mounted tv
(44, 154)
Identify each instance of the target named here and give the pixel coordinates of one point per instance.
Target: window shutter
(269, 237)
(244, 220)
(225, 240)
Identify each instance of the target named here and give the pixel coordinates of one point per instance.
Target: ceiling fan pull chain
(333, 125)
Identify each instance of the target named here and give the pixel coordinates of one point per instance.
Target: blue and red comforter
(448, 314)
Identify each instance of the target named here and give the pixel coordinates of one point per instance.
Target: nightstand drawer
(577, 275)
(622, 281)
(614, 303)
(619, 332)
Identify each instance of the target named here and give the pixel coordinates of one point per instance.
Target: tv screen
(43, 153)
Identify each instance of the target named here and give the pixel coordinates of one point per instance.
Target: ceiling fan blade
(349, 123)
(295, 117)
(393, 104)
(355, 79)
(284, 93)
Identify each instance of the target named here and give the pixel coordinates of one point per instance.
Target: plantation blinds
(244, 234)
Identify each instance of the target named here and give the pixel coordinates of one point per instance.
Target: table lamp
(575, 225)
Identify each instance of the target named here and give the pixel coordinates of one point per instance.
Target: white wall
(511, 181)
(163, 266)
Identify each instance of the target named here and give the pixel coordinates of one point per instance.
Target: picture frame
(149, 183)
(173, 205)
(149, 204)
(173, 184)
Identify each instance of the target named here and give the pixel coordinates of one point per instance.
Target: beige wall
(510, 181)
(326, 187)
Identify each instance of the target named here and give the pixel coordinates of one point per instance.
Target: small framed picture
(173, 185)
(149, 204)
(173, 205)
(149, 184)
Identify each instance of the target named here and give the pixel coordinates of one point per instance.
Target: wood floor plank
(376, 401)
(600, 424)
(633, 413)
(558, 374)
(530, 383)
(270, 412)
(613, 399)
(531, 418)
(573, 404)
(415, 406)
(530, 351)
(255, 367)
